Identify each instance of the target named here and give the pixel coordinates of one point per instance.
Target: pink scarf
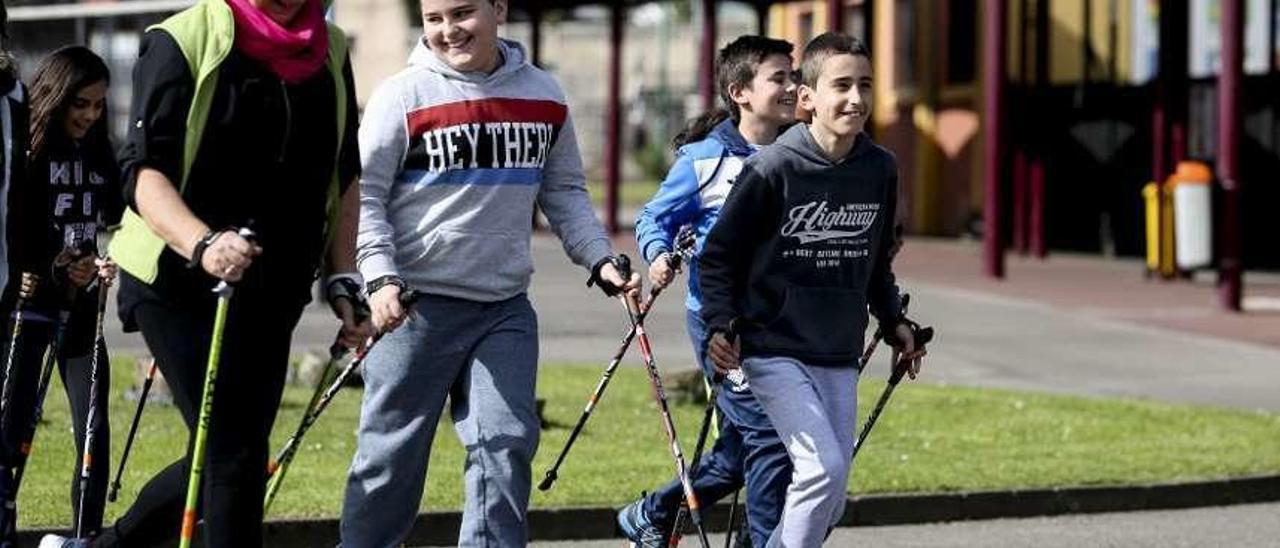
(294, 53)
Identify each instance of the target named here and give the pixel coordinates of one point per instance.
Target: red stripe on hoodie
(486, 110)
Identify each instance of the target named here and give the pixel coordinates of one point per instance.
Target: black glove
(349, 286)
(621, 263)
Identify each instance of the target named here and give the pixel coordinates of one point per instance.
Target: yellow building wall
(784, 19)
(885, 106)
(908, 116)
(1066, 32)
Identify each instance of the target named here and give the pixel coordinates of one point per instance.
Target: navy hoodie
(802, 249)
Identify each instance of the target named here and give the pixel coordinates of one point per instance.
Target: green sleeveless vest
(205, 33)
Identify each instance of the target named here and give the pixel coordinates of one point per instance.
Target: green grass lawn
(931, 438)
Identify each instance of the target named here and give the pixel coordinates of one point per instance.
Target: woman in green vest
(243, 115)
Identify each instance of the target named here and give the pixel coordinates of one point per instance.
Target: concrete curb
(441, 528)
(911, 509)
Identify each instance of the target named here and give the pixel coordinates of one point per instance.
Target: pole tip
(547, 481)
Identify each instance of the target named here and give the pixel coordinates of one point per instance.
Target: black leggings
(75, 372)
(251, 375)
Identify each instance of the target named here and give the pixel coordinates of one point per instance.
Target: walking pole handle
(224, 288)
(922, 335)
(29, 283)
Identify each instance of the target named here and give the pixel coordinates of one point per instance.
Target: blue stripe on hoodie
(692, 194)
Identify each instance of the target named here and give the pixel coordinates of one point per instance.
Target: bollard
(1151, 209)
(1193, 215)
(1168, 269)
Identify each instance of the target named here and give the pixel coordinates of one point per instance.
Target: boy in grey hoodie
(455, 150)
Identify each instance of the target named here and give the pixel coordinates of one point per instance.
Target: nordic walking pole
(224, 292)
(8, 513)
(336, 352)
(28, 290)
(133, 430)
(677, 531)
(733, 518)
(553, 474)
(280, 465)
(86, 460)
(277, 467)
(659, 394)
(46, 376)
(922, 337)
(684, 248)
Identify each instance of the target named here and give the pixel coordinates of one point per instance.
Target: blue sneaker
(635, 525)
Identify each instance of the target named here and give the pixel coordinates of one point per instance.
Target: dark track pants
(74, 371)
(251, 376)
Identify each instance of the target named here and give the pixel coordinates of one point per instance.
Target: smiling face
(85, 109)
(282, 12)
(464, 33)
(771, 95)
(840, 100)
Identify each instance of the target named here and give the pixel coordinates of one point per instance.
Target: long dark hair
(58, 79)
(697, 129)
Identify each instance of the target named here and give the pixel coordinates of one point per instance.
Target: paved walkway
(1103, 289)
(1088, 326)
(1245, 526)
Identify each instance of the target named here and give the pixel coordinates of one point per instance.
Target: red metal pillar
(1018, 137)
(707, 56)
(535, 34)
(1038, 247)
(869, 22)
(1179, 13)
(993, 70)
(1168, 114)
(835, 15)
(1021, 216)
(613, 119)
(869, 38)
(1229, 79)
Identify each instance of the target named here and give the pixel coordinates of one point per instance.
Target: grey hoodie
(452, 165)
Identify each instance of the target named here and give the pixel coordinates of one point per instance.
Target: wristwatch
(197, 252)
(383, 281)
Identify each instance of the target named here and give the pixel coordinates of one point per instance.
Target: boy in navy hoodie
(801, 251)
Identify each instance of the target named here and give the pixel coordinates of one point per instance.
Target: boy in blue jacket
(756, 81)
(801, 250)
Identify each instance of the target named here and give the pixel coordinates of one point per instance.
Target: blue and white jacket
(692, 194)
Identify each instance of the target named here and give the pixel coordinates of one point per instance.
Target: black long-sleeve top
(265, 160)
(21, 218)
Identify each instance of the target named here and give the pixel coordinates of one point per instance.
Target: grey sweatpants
(814, 410)
(483, 357)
